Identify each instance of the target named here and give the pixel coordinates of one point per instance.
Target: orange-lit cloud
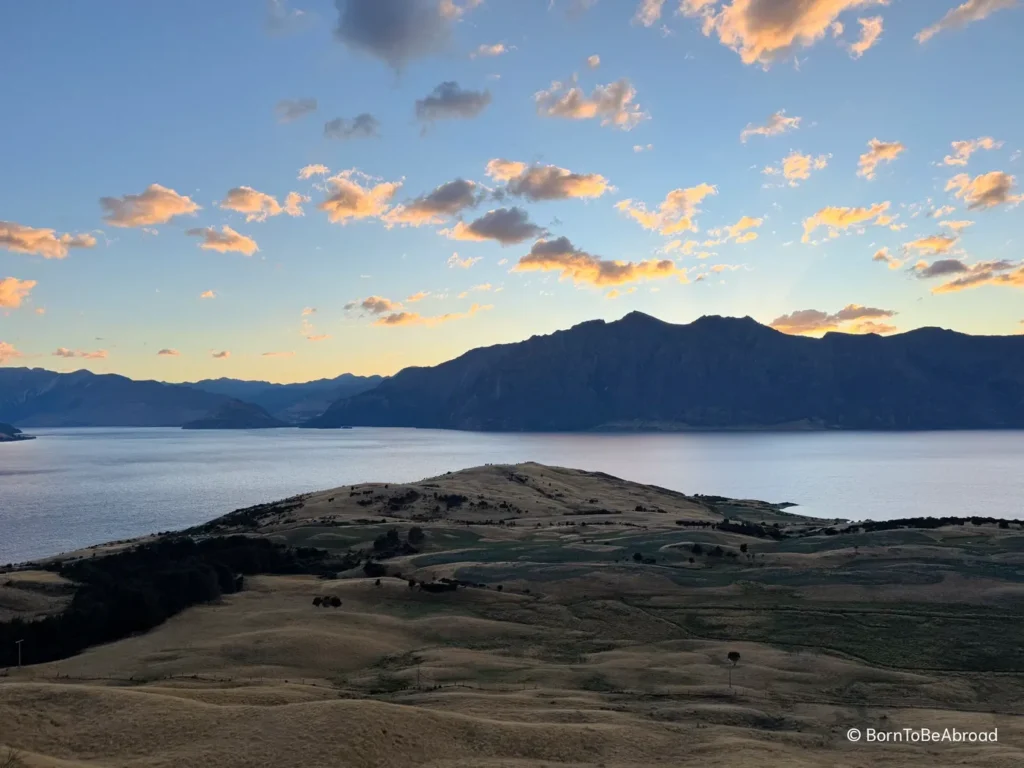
(19, 238)
(99, 354)
(310, 171)
(222, 355)
(594, 61)
(375, 305)
(985, 191)
(349, 200)
(456, 261)
(740, 232)
(8, 352)
(488, 51)
(278, 354)
(870, 32)
(956, 226)
(507, 226)
(256, 206)
(418, 296)
(878, 152)
(837, 218)
(412, 318)
(168, 353)
(156, 205)
(962, 15)
(225, 241)
(436, 206)
(1007, 274)
(561, 256)
(648, 12)
(932, 245)
(208, 295)
(307, 311)
(776, 124)
(318, 337)
(796, 167)
(14, 291)
(675, 213)
(614, 104)
(546, 182)
(765, 31)
(883, 255)
(962, 150)
(852, 318)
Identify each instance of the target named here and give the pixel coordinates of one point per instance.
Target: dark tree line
(133, 591)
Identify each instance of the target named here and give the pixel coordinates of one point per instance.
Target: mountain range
(637, 373)
(33, 397)
(713, 373)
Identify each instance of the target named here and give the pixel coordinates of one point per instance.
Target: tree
(734, 659)
(697, 548)
(416, 535)
(335, 602)
(317, 601)
(638, 557)
(412, 583)
(376, 583)
(743, 548)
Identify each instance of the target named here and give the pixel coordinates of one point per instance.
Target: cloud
(962, 15)
(1002, 273)
(19, 238)
(870, 31)
(765, 31)
(962, 150)
(364, 126)
(614, 104)
(504, 225)
(412, 318)
(838, 218)
(157, 205)
(14, 291)
(397, 31)
(307, 311)
(456, 261)
(436, 206)
(168, 353)
(375, 305)
(943, 210)
(225, 241)
(310, 171)
(8, 352)
(489, 51)
(99, 354)
(560, 255)
(878, 152)
(318, 337)
(281, 19)
(956, 226)
(546, 182)
(638, 148)
(740, 232)
(482, 287)
(648, 12)
(257, 206)
(853, 318)
(289, 110)
(775, 125)
(796, 167)
(594, 61)
(985, 191)
(278, 354)
(208, 295)
(932, 245)
(883, 255)
(675, 213)
(418, 296)
(350, 200)
(222, 355)
(448, 101)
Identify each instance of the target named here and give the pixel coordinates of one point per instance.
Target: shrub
(416, 535)
(317, 601)
(335, 601)
(697, 549)
(638, 556)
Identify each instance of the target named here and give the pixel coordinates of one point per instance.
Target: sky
(293, 189)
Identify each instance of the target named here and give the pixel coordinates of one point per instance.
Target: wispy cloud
(674, 214)
(964, 14)
(853, 318)
(99, 354)
(985, 191)
(613, 104)
(776, 125)
(878, 152)
(19, 238)
(290, 110)
(837, 219)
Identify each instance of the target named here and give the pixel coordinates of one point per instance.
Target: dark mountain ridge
(713, 373)
(235, 414)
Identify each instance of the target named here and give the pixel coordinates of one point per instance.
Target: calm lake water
(76, 487)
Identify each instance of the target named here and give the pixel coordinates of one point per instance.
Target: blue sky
(105, 99)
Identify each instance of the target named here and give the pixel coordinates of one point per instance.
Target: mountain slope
(714, 373)
(235, 414)
(292, 403)
(33, 397)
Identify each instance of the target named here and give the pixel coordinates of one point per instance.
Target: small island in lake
(11, 434)
(236, 414)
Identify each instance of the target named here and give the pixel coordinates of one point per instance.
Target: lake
(76, 487)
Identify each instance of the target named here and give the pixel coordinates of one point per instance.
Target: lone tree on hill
(416, 535)
(734, 659)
